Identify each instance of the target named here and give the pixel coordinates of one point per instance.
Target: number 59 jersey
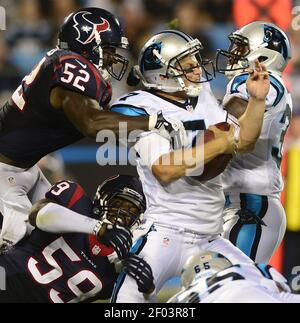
(30, 127)
(59, 268)
(258, 172)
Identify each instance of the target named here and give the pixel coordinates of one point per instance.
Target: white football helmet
(202, 265)
(160, 63)
(258, 40)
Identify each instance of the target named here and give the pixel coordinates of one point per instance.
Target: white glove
(169, 128)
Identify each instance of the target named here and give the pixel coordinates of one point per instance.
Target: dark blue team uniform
(30, 127)
(59, 267)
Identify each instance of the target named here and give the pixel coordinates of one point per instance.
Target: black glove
(141, 272)
(116, 236)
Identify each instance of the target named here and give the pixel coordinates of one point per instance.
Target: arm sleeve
(55, 218)
(150, 147)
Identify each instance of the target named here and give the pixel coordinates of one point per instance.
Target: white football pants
(257, 240)
(166, 250)
(19, 189)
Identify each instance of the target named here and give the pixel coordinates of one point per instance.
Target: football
(216, 166)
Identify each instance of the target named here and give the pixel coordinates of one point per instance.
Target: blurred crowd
(32, 27)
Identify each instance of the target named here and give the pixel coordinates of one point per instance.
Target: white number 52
(70, 77)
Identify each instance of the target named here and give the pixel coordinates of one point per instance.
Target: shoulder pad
(237, 81)
(76, 73)
(71, 195)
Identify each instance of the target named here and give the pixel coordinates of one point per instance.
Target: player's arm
(251, 113)
(35, 209)
(59, 213)
(53, 218)
(64, 202)
(167, 165)
(84, 113)
(79, 90)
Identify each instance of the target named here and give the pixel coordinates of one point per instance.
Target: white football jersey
(237, 277)
(259, 172)
(184, 202)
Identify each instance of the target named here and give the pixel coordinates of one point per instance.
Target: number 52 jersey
(259, 172)
(30, 127)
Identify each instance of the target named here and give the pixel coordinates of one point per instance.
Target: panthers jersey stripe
(128, 110)
(258, 172)
(238, 81)
(279, 89)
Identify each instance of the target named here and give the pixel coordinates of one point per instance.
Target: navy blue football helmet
(111, 195)
(96, 34)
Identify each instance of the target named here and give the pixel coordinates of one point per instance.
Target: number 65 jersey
(258, 172)
(30, 127)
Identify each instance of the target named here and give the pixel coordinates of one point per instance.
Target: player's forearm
(54, 218)
(251, 124)
(85, 115)
(116, 123)
(179, 163)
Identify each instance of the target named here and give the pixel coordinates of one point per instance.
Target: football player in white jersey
(186, 214)
(254, 217)
(209, 277)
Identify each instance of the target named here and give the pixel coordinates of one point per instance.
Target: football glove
(141, 272)
(171, 129)
(117, 237)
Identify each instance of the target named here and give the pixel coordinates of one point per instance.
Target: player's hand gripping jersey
(30, 127)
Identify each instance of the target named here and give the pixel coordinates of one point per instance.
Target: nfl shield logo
(96, 250)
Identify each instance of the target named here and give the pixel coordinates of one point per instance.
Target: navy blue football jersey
(30, 127)
(59, 268)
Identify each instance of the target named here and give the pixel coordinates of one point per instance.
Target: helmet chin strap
(193, 90)
(238, 68)
(232, 74)
(99, 66)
